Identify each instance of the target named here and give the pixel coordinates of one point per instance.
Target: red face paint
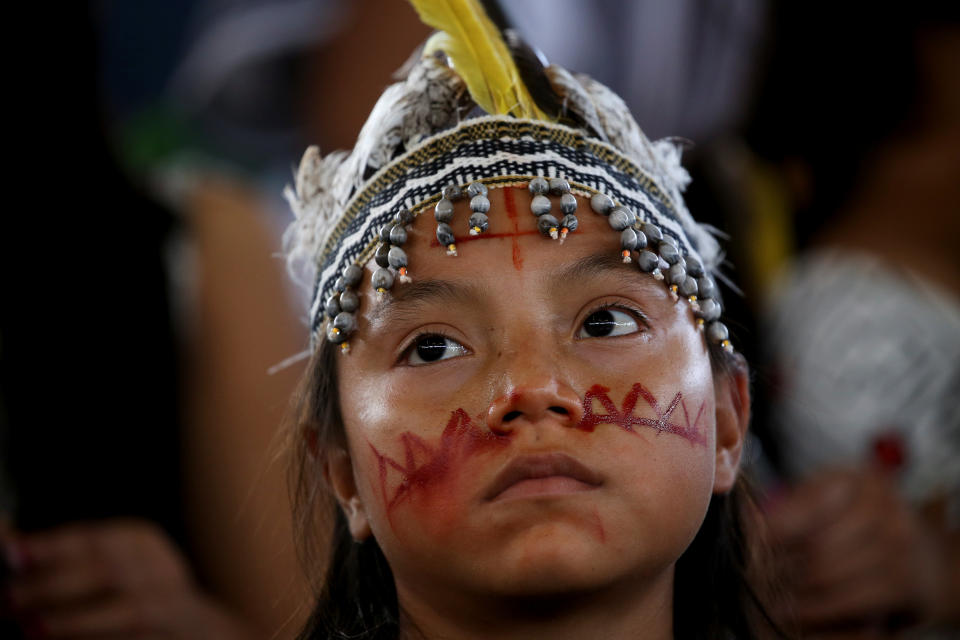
(489, 236)
(511, 207)
(627, 421)
(598, 524)
(429, 472)
(427, 469)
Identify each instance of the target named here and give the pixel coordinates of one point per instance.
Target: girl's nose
(534, 403)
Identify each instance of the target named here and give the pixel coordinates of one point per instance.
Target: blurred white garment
(864, 351)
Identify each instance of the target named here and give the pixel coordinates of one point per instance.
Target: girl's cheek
(428, 484)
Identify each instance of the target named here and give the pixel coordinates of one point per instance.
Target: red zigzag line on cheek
(627, 421)
(460, 438)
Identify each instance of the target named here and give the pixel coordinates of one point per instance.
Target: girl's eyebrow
(589, 267)
(404, 302)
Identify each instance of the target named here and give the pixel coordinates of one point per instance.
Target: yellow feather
(479, 55)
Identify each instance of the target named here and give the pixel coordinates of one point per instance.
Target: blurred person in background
(141, 491)
(857, 132)
(97, 377)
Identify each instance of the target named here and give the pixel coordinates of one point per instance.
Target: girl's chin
(553, 569)
(563, 553)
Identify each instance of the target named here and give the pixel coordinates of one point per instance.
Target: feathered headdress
(478, 105)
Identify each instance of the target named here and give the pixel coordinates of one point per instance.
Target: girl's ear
(338, 472)
(732, 391)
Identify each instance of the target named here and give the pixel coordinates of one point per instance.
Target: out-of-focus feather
(479, 55)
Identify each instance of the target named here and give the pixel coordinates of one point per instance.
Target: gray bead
(540, 205)
(382, 279)
(339, 284)
(676, 274)
(641, 240)
(381, 255)
(398, 235)
(709, 309)
(345, 322)
(539, 186)
(559, 186)
(476, 189)
(445, 234)
(397, 257)
(479, 221)
(352, 275)
(717, 332)
(688, 287)
(694, 267)
(619, 219)
(647, 261)
(652, 232)
(570, 222)
(336, 337)
(601, 203)
(443, 212)
(385, 231)
(403, 216)
(480, 204)
(546, 222)
(628, 239)
(452, 192)
(332, 307)
(669, 253)
(671, 241)
(707, 287)
(349, 301)
(568, 203)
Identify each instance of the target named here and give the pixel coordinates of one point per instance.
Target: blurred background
(144, 301)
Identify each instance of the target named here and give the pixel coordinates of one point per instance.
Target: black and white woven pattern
(497, 151)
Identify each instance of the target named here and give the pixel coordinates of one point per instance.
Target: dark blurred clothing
(88, 361)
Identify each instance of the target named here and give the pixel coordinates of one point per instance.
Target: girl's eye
(433, 347)
(608, 322)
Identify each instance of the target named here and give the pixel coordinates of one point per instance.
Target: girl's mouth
(542, 475)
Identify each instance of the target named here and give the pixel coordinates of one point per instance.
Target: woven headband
(496, 151)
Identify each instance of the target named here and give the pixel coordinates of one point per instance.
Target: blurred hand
(853, 555)
(120, 578)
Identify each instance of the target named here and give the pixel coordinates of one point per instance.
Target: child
(521, 397)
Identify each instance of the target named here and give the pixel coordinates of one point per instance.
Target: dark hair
(713, 596)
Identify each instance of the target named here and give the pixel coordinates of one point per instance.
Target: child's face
(527, 345)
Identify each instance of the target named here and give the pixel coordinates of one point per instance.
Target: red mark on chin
(627, 421)
(511, 207)
(598, 523)
(425, 466)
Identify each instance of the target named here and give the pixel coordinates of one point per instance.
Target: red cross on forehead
(511, 206)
